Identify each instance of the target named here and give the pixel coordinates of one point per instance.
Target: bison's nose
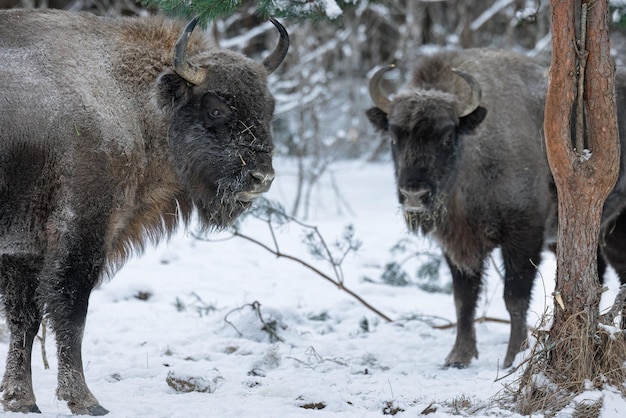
(262, 180)
(415, 199)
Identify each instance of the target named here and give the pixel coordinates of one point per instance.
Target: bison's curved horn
(380, 99)
(192, 73)
(475, 96)
(272, 62)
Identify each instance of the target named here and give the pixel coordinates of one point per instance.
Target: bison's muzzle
(422, 209)
(415, 200)
(262, 183)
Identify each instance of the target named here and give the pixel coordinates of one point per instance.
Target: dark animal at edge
(613, 232)
(112, 132)
(471, 171)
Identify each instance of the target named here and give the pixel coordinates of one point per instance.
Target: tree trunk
(585, 169)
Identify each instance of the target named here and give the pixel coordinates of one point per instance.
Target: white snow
(200, 323)
(585, 155)
(332, 9)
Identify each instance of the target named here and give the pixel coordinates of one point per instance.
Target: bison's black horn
(192, 73)
(272, 62)
(476, 93)
(380, 99)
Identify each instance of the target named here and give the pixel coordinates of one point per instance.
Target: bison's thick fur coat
(112, 132)
(476, 177)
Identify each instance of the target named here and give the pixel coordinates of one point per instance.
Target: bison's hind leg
(18, 283)
(520, 265)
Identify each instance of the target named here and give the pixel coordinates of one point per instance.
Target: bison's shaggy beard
(213, 176)
(221, 216)
(426, 221)
(223, 208)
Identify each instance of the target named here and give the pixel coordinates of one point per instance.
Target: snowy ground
(336, 355)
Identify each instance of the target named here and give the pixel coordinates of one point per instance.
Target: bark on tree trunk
(584, 174)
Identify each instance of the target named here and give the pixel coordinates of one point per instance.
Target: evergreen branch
(210, 10)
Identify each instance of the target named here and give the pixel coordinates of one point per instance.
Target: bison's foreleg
(18, 282)
(466, 289)
(520, 266)
(67, 299)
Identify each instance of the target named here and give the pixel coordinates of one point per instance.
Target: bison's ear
(470, 122)
(378, 118)
(172, 89)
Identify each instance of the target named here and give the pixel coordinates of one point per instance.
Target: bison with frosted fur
(471, 171)
(112, 131)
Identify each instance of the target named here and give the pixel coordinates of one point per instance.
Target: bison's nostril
(263, 177)
(415, 194)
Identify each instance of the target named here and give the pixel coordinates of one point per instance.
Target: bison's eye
(447, 139)
(216, 111)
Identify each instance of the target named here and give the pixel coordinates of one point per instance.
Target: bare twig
(230, 323)
(477, 320)
(271, 213)
(314, 359)
(257, 309)
(330, 258)
(323, 275)
(256, 306)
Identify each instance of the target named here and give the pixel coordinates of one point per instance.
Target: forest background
(322, 86)
(321, 89)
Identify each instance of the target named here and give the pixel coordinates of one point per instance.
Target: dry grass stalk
(541, 389)
(588, 409)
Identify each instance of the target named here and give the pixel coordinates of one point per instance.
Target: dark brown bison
(613, 233)
(471, 171)
(112, 132)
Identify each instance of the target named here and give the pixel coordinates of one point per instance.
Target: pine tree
(578, 354)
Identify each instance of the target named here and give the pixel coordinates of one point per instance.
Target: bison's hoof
(511, 353)
(25, 409)
(456, 364)
(97, 410)
(508, 361)
(33, 408)
(19, 402)
(460, 358)
(94, 410)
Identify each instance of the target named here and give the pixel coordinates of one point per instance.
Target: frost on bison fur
(112, 132)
